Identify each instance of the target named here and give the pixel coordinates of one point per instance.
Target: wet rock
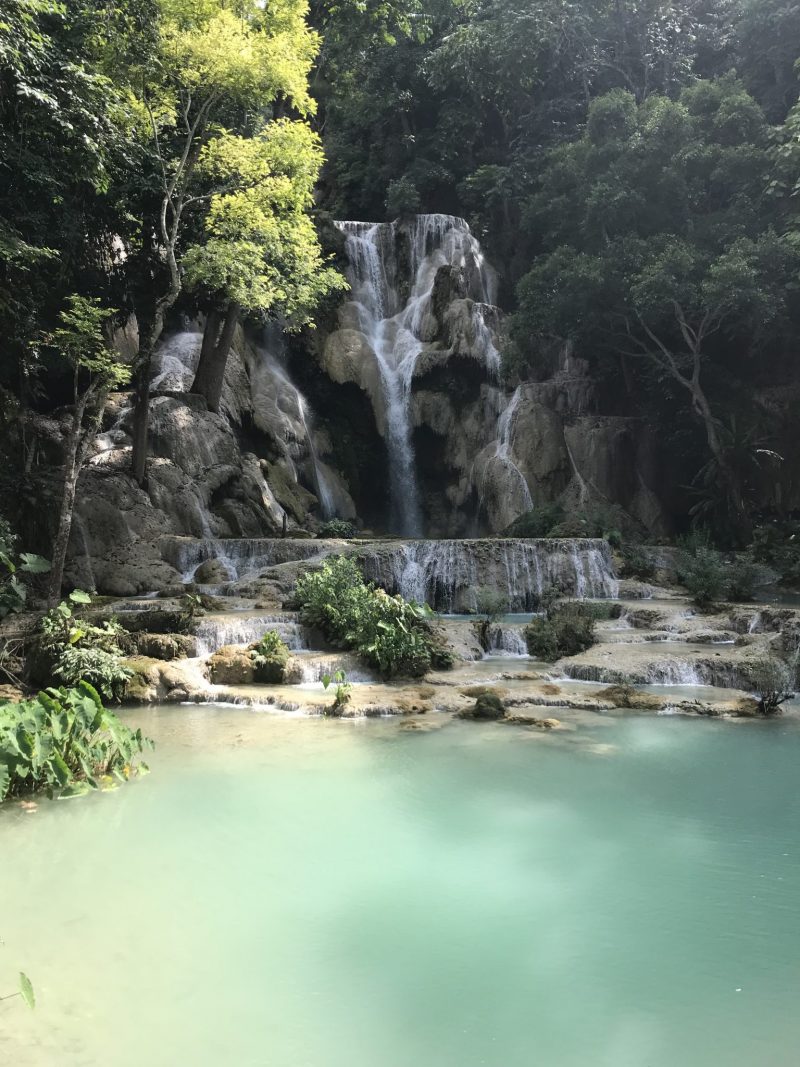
(231, 665)
(213, 572)
(487, 708)
(522, 718)
(165, 646)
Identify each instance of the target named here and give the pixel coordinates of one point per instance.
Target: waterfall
(507, 641)
(503, 450)
(213, 633)
(176, 360)
(397, 330)
(448, 574)
(244, 557)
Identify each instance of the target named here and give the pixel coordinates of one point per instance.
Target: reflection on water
(285, 891)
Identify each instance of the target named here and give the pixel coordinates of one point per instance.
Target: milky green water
(300, 893)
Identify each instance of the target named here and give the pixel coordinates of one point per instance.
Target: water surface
(301, 893)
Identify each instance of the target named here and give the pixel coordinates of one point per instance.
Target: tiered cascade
(393, 271)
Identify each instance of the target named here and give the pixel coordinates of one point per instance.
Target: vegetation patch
(72, 648)
(392, 635)
(567, 629)
(270, 656)
(65, 743)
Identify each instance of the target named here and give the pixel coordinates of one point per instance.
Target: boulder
(166, 646)
(231, 665)
(213, 572)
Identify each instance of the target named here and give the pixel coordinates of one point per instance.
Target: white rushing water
(395, 315)
(448, 575)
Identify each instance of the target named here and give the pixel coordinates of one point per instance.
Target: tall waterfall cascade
(392, 270)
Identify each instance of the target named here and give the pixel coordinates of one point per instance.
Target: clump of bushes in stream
(551, 520)
(73, 648)
(567, 629)
(774, 681)
(708, 578)
(338, 528)
(65, 742)
(392, 635)
(270, 656)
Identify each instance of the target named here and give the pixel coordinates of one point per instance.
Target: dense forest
(631, 169)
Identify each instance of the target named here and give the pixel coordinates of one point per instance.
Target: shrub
(567, 630)
(777, 545)
(342, 692)
(76, 649)
(743, 578)
(402, 198)
(16, 569)
(703, 575)
(540, 637)
(339, 528)
(390, 634)
(64, 742)
(614, 538)
(270, 656)
(773, 681)
(490, 602)
(537, 522)
(637, 564)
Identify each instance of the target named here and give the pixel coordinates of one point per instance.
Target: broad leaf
(26, 990)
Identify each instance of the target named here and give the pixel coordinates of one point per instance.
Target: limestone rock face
(421, 338)
(240, 473)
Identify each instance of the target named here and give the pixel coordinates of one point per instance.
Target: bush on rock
(391, 634)
(567, 630)
(270, 656)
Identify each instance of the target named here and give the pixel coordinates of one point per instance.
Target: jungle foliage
(65, 743)
(633, 169)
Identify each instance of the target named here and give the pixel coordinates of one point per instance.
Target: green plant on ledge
(392, 635)
(567, 630)
(270, 656)
(342, 693)
(15, 571)
(337, 528)
(77, 649)
(65, 743)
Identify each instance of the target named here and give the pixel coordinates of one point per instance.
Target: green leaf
(77, 789)
(33, 564)
(26, 990)
(78, 596)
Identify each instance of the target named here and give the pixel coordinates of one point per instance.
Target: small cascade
(244, 557)
(213, 633)
(448, 574)
(289, 415)
(397, 327)
(505, 640)
(175, 362)
(314, 666)
(504, 452)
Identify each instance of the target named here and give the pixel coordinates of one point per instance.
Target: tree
(664, 246)
(217, 71)
(260, 251)
(79, 341)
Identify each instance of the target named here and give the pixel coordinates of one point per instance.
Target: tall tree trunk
(64, 527)
(210, 376)
(76, 451)
(728, 476)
